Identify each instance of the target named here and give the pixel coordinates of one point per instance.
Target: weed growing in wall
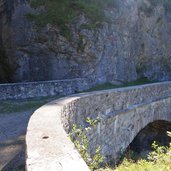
(80, 140)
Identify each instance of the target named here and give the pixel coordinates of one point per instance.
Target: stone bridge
(123, 113)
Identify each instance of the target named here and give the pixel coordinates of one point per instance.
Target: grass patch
(105, 86)
(159, 159)
(12, 106)
(61, 12)
(138, 82)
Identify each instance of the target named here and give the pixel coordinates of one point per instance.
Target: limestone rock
(136, 43)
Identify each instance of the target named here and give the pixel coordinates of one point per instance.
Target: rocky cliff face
(4, 67)
(135, 43)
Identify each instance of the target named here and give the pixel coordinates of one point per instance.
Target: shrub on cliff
(62, 12)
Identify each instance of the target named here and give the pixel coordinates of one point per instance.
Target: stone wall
(43, 89)
(123, 113)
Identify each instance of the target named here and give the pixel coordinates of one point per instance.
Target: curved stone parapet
(48, 146)
(123, 113)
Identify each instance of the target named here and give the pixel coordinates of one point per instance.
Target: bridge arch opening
(154, 131)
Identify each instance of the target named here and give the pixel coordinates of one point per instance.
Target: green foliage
(80, 140)
(158, 160)
(62, 12)
(106, 86)
(139, 81)
(92, 122)
(161, 154)
(12, 106)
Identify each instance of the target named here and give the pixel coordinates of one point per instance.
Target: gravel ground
(12, 135)
(14, 118)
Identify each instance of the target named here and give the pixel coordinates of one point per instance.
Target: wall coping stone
(40, 82)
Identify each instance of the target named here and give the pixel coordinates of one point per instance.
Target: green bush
(158, 160)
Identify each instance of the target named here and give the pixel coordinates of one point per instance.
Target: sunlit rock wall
(136, 43)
